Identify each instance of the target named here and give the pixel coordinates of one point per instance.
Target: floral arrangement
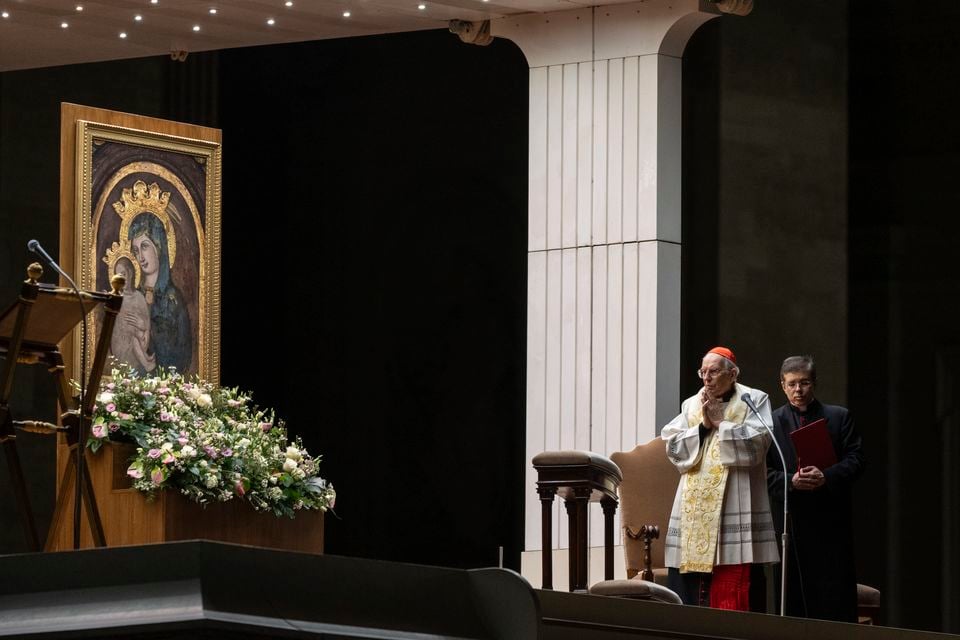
(209, 443)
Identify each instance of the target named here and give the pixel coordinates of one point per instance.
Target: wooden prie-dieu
(30, 331)
(579, 477)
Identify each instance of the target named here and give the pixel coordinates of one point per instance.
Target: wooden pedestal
(129, 519)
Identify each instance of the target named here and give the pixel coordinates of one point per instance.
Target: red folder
(813, 445)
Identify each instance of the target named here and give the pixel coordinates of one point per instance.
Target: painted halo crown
(143, 199)
(116, 252)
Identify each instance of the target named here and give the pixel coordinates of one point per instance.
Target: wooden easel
(30, 330)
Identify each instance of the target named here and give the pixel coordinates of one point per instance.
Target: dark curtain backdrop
(374, 266)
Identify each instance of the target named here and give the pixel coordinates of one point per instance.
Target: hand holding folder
(814, 446)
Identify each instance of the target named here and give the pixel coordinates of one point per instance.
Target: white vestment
(745, 529)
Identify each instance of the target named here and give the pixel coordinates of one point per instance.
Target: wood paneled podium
(129, 519)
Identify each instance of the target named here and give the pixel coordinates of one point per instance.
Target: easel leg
(64, 494)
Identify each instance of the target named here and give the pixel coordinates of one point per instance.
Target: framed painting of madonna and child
(146, 205)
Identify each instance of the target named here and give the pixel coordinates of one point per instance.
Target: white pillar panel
(537, 155)
(584, 152)
(554, 157)
(599, 221)
(568, 349)
(603, 327)
(631, 363)
(614, 145)
(570, 153)
(648, 169)
(630, 151)
(582, 441)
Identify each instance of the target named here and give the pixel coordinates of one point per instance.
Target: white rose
(298, 473)
(188, 451)
(205, 400)
(294, 454)
(105, 398)
(211, 481)
(243, 443)
(289, 465)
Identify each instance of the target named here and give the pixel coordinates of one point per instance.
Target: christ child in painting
(131, 335)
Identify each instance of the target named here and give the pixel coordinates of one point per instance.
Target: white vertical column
(604, 240)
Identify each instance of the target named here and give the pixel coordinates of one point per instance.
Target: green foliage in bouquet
(209, 443)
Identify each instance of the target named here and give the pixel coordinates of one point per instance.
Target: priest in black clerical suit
(822, 580)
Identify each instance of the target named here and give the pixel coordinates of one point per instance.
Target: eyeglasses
(797, 384)
(703, 374)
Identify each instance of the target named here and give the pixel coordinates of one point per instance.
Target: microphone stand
(785, 537)
(35, 247)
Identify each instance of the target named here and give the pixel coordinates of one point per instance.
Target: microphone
(785, 537)
(34, 247)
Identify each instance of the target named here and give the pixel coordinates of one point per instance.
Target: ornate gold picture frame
(147, 205)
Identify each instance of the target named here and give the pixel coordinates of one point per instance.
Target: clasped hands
(808, 478)
(712, 410)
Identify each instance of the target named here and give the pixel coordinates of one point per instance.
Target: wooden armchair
(646, 498)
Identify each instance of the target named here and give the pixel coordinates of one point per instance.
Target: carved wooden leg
(609, 507)
(546, 534)
(577, 519)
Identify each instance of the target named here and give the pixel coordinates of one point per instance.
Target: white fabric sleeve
(683, 443)
(745, 445)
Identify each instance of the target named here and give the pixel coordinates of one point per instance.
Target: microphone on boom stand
(785, 537)
(35, 247)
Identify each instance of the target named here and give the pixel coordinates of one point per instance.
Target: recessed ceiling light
(123, 34)
(5, 14)
(421, 6)
(138, 17)
(270, 21)
(154, 1)
(346, 14)
(196, 27)
(79, 7)
(64, 25)
(213, 10)
(288, 3)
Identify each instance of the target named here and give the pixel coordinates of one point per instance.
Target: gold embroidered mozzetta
(702, 497)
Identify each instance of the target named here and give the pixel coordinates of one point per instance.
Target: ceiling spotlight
(421, 6)
(213, 11)
(271, 21)
(154, 1)
(138, 17)
(123, 35)
(196, 27)
(79, 7)
(5, 14)
(288, 3)
(346, 14)
(64, 25)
